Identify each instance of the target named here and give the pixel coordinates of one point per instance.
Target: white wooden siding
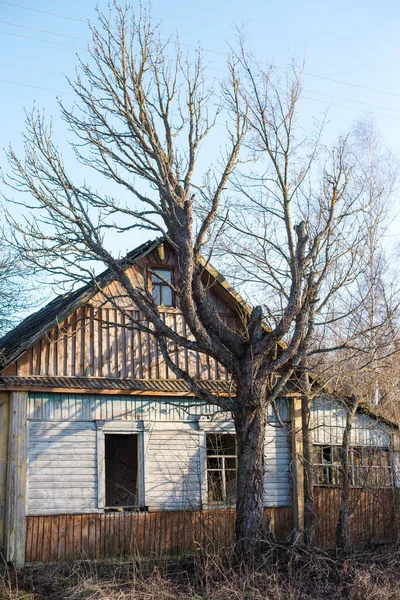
(328, 420)
(173, 473)
(277, 479)
(62, 468)
(87, 407)
(46, 406)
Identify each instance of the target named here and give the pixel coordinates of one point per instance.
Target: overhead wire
(36, 87)
(44, 12)
(309, 74)
(71, 37)
(28, 37)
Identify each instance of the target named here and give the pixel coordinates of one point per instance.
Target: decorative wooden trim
(203, 467)
(101, 488)
(17, 479)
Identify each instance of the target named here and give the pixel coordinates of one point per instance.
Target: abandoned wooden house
(104, 452)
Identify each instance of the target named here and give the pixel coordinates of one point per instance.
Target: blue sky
(347, 47)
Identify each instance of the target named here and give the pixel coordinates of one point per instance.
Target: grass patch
(281, 573)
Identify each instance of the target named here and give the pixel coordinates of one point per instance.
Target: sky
(351, 52)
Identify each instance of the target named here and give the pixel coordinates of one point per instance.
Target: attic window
(161, 291)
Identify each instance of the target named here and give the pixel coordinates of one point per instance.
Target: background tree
(16, 293)
(143, 112)
(367, 337)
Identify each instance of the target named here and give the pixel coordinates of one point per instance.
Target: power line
(28, 37)
(72, 37)
(210, 68)
(355, 101)
(360, 87)
(349, 107)
(44, 12)
(333, 103)
(340, 81)
(36, 87)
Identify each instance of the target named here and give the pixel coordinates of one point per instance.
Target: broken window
(221, 468)
(370, 466)
(327, 465)
(161, 291)
(122, 470)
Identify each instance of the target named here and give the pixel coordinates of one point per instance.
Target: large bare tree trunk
(250, 418)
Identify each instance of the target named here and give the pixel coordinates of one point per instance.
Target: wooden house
(104, 452)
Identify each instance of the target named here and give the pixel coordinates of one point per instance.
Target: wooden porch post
(16, 479)
(297, 464)
(4, 428)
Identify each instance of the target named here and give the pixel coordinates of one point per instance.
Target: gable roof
(37, 325)
(34, 327)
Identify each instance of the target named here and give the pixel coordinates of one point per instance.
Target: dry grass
(282, 573)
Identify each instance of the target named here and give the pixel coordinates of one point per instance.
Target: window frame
(332, 472)
(120, 428)
(110, 506)
(369, 470)
(152, 273)
(223, 458)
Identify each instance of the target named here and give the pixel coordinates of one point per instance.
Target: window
(161, 291)
(370, 466)
(221, 468)
(122, 470)
(327, 465)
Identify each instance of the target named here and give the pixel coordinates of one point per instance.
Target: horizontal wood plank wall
(277, 466)
(374, 520)
(63, 456)
(99, 342)
(110, 535)
(48, 406)
(62, 472)
(45, 406)
(173, 467)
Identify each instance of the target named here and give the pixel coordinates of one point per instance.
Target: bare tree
(16, 294)
(141, 117)
(367, 336)
(297, 179)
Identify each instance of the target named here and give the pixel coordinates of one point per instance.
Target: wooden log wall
(111, 535)
(374, 520)
(99, 342)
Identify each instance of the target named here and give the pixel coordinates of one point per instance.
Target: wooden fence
(111, 535)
